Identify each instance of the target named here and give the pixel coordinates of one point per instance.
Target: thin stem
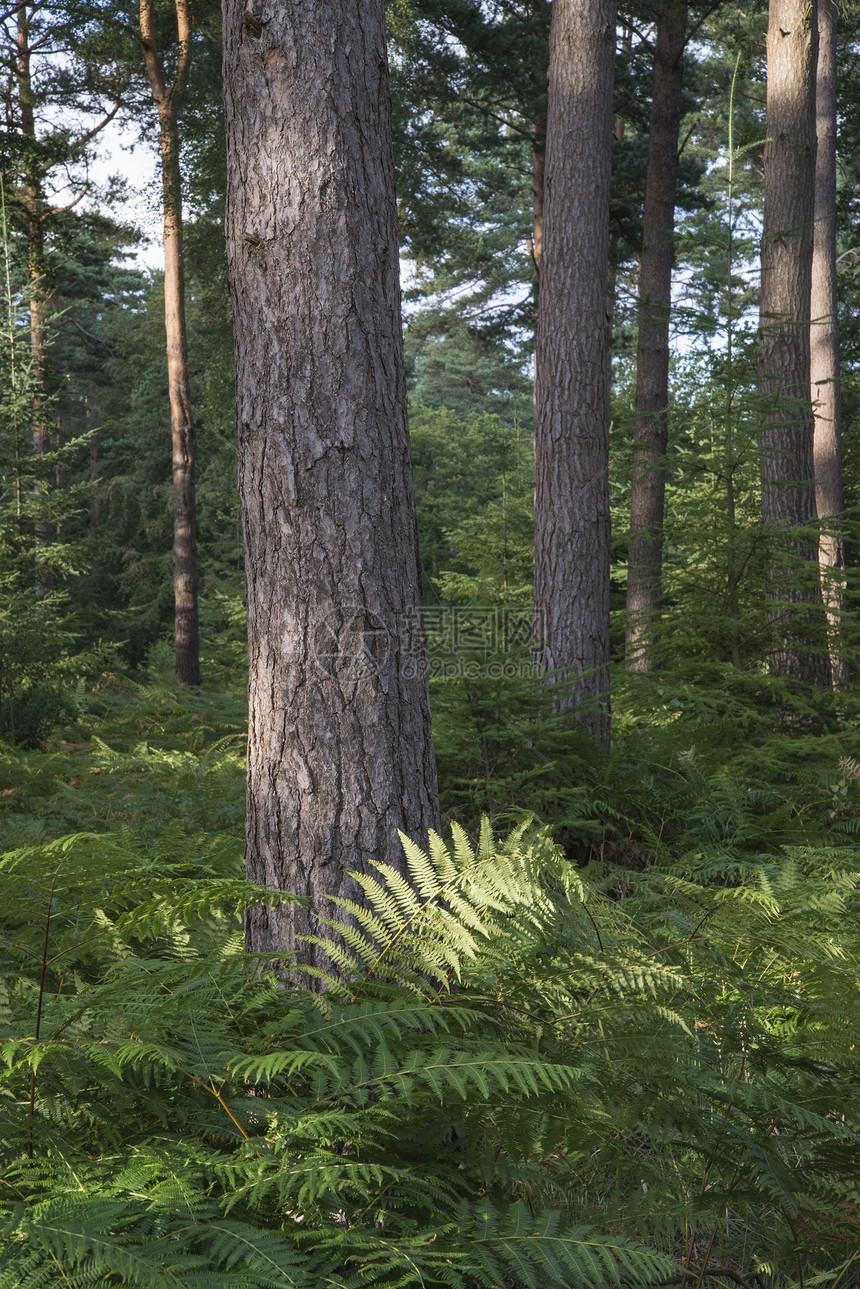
(707, 1256)
(16, 437)
(731, 507)
(39, 1011)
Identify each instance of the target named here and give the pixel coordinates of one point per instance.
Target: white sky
(120, 152)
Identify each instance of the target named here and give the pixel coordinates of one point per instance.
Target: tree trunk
(339, 752)
(33, 213)
(541, 14)
(644, 571)
(92, 430)
(824, 370)
(538, 171)
(187, 645)
(167, 101)
(618, 131)
(572, 364)
(786, 440)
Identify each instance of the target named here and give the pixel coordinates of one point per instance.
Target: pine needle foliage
(520, 1074)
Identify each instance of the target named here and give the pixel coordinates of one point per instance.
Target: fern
(524, 1074)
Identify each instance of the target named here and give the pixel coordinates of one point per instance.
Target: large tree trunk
(340, 754)
(572, 364)
(167, 100)
(786, 439)
(644, 570)
(824, 370)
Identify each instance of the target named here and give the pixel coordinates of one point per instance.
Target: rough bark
(572, 364)
(167, 100)
(339, 751)
(824, 356)
(644, 571)
(786, 439)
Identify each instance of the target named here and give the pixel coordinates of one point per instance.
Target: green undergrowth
(710, 769)
(630, 1059)
(140, 755)
(521, 1075)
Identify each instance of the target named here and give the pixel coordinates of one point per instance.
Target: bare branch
(97, 341)
(90, 134)
(62, 210)
(697, 26)
(12, 11)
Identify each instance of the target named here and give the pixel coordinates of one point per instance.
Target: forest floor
(140, 756)
(682, 1014)
(686, 777)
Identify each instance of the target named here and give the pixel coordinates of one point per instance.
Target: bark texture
(167, 99)
(572, 363)
(644, 571)
(340, 754)
(824, 369)
(786, 439)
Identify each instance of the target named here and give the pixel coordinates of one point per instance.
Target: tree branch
(151, 58)
(183, 31)
(90, 134)
(697, 26)
(61, 210)
(97, 342)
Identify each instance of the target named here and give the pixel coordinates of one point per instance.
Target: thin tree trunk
(33, 212)
(94, 456)
(58, 466)
(786, 440)
(611, 288)
(541, 15)
(339, 751)
(612, 258)
(618, 131)
(572, 365)
(824, 357)
(644, 570)
(167, 100)
(181, 422)
(538, 172)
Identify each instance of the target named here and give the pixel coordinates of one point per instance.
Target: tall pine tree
(340, 754)
(572, 364)
(786, 439)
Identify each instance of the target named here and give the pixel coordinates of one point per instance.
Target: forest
(429, 745)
